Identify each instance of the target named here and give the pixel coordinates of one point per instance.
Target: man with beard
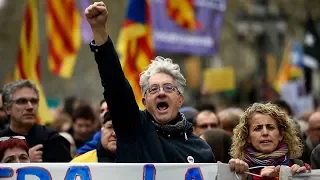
(21, 101)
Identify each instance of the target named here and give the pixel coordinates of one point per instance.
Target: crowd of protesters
(114, 130)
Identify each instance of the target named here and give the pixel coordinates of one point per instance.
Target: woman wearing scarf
(265, 138)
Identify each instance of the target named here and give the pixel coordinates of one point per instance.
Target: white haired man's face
(162, 98)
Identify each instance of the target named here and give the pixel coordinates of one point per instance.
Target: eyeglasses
(12, 137)
(155, 88)
(24, 101)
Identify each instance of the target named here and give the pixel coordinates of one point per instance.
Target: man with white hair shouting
(160, 134)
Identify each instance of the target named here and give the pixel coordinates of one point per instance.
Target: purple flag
(170, 37)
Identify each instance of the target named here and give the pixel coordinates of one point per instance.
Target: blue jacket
(139, 140)
(90, 145)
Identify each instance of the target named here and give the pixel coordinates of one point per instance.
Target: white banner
(285, 174)
(106, 171)
(113, 171)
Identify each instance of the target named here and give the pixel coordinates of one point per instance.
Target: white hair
(162, 65)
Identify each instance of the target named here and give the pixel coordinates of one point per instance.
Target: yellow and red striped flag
(64, 36)
(135, 44)
(183, 13)
(28, 61)
(285, 68)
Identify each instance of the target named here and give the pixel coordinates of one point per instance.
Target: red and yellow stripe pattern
(28, 60)
(135, 44)
(64, 36)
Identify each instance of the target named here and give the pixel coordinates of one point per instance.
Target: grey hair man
(21, 99)
(21, 102)
(160, 134)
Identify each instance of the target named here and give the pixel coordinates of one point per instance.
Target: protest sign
(105, 171)
(219, 79)
(115, 171)
(285, 174)
(168, 36)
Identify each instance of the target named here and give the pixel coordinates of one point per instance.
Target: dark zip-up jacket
(138, 139)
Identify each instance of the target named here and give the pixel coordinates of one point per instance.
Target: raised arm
(117, 91)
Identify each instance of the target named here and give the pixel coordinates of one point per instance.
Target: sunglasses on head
(12, 137)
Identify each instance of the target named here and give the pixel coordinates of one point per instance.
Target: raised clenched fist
(97, 15)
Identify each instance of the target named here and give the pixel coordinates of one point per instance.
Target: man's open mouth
(162, 106)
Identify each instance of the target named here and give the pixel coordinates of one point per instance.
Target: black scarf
(177, 126)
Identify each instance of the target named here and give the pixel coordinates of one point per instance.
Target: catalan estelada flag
(28, 61)
(183, 13)
(64, 36)
(287, 69)
(283, 74)
(135, 44)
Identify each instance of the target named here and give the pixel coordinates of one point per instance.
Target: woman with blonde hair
(265, 138)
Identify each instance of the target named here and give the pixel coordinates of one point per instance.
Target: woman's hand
(239, 166)
(297, 169)
(270, 171)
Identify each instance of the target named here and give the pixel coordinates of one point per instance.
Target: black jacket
(138, 139)
(55, 147)
(104, 156)
(315, 157)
